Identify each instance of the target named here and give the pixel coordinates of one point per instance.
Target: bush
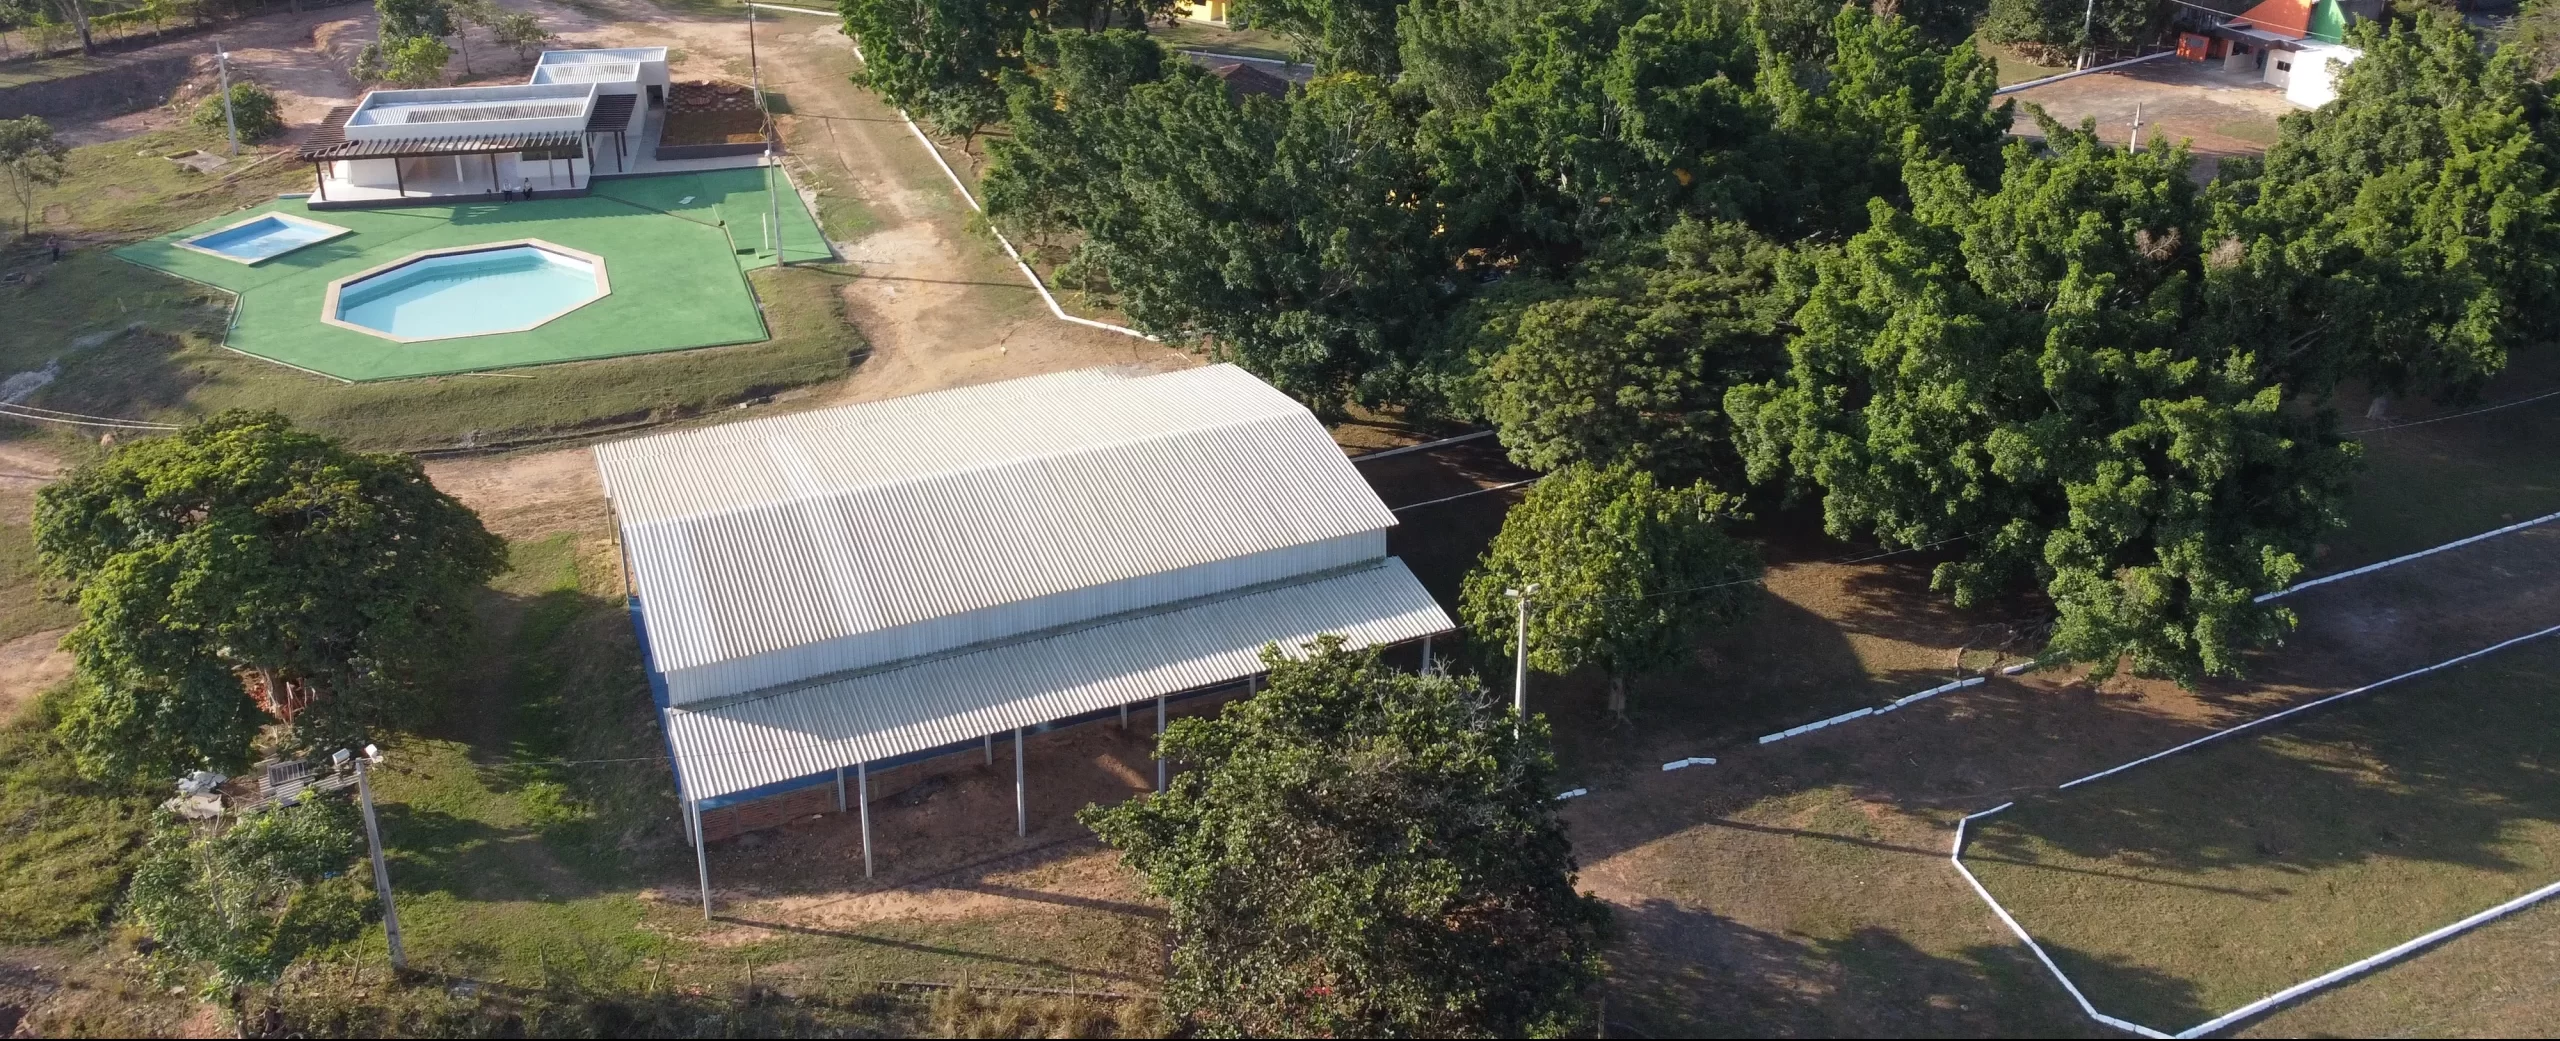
(253, 106)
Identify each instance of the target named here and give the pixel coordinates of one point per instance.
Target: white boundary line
(1028, 275)
(2324, 980)
(2405, 558)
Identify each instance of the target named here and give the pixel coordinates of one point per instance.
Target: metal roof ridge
(800, 499)
(1037, 635)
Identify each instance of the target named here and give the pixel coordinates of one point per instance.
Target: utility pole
(222, 61)
(2137, 128)
(772, 198)
(2087, 21)
(1520, 644)
(373, 838)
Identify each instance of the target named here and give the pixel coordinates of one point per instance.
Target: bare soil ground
(2215, 112)
(302, 57)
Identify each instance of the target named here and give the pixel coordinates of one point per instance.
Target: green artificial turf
(676, 247)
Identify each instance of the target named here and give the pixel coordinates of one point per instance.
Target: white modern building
(580, 113)
(860, 587)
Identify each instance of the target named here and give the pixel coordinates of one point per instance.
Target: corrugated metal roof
(872, 716)
(755, 537)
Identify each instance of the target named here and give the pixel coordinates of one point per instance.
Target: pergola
(329, 143)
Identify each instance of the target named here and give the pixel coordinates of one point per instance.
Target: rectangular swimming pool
(262, 237)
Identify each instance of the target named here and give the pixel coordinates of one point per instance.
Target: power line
(2457, 415)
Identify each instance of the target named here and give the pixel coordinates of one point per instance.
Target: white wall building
(547, 136)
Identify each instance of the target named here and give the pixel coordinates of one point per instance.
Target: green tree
(1363, 852)
(1613, 118)
(1454, 51)
(240, 564)
(1291, 234)
(405, 19)
(521, 31)
(942, 58)
(2022, 377)
(465, 14)
(412, 61)
(34, 159)
(253, 109)
(249, 901)
(1629, 574)
(2403, 234)
(1886, 95)
(1344, 35)
(2055, 27)
(1632, 366)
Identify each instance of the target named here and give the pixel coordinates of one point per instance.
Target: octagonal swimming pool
(472, 291)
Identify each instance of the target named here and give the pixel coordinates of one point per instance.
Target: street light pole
(373, 838)
(222, 61)
(1520, 645)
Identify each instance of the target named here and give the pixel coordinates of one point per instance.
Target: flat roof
(446, 105)
(591, 72)
(755, 537)
(593, 55)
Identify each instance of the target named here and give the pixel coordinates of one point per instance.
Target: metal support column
(991, 750)
(1159, 742)
(839, 789)
(862, 781)
(1124, 717)
(1021, 806)
(701, 860)
(1426, 654)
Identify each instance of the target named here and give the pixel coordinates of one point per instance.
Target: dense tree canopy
(1628, 574)
(241, 565)
(1793, 244)
(2021, 374)
(1359, 851)
(2404, 234)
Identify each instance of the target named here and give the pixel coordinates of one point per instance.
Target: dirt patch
(30, 665)
(2215, 112)
(303, 58)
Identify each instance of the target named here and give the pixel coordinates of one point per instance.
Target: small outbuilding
(859, 587)
(2294, 44)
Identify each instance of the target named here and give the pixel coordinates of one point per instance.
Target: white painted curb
(1574, 794)
(1683, 764)
(1028, 275)
(1816, 725)
(2405, 558)
(2324, 980)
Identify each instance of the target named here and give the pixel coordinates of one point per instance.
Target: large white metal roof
(759, 536)
(741, 743)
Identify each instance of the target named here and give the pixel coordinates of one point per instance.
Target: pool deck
(678, 246)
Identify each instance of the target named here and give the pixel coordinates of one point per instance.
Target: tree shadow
(1678, 972)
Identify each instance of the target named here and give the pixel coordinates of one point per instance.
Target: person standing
(53, 245)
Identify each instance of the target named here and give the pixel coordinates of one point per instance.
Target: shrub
(252, 106)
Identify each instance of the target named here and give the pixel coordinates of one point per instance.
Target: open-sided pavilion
(830, 593)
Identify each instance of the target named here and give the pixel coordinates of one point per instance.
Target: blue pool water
(466, 294)
(265, 237)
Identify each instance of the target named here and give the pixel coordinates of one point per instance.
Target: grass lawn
(2191, 886)
(2015, 67)
(2430, 484)
(674, 246)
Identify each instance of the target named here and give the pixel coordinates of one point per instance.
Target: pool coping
(335, 232)
(329, 301)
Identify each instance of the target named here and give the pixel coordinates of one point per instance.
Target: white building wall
(2316, 70)
(808, 661)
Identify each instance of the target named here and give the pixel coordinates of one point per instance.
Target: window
(2283, 66)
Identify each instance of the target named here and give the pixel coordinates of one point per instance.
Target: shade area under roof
(742, 743)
